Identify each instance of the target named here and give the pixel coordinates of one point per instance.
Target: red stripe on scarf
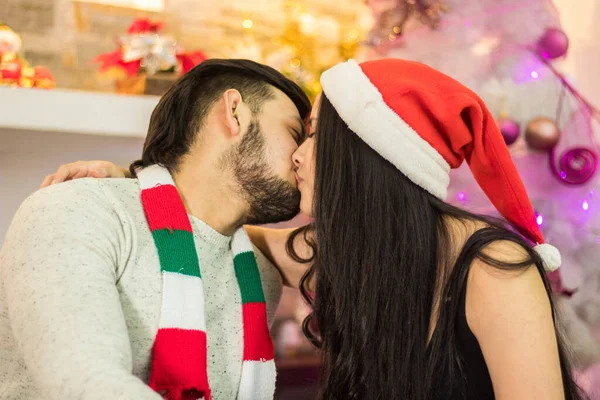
(257, 339)
(164, 209)
(182, 365)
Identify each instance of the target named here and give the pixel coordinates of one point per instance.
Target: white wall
(581, 21)
(26, 157)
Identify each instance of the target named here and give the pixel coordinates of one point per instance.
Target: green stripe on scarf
(248, 277)
(177, 252)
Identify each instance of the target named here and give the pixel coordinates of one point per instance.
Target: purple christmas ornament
(510, 130)
(575, 166)
(553, 44)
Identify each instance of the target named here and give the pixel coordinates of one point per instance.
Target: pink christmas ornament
(553, 44)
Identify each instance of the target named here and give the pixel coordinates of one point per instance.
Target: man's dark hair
(182, 111)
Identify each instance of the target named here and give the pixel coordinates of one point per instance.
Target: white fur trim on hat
(360, 104)
(550, 256)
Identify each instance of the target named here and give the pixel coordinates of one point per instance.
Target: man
(97, 297)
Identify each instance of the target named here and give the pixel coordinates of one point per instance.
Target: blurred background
(79, 79)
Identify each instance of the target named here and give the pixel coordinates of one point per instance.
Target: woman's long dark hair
(380, 246)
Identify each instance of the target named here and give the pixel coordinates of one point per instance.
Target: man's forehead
(283, 99)
(283, 107)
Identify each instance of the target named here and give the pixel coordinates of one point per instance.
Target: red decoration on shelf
(190, 60)
(144, 25)
(145, 49)
(15, 70)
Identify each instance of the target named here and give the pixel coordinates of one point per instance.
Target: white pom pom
(550, 256)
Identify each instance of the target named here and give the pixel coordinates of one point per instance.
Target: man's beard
(271, 199)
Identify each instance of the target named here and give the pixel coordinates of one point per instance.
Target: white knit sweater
(80, 297)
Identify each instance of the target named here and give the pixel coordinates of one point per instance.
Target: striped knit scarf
(179, 355)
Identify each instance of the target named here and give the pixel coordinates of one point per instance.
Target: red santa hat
(426, 123)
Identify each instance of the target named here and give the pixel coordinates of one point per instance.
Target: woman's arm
(509, 312)
(85, 169)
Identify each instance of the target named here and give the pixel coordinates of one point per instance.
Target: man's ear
(232, 100)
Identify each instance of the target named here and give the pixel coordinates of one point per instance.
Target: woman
(414, 298)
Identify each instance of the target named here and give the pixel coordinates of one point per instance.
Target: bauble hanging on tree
(542, 133)
(553, 44)
(575, 166)
(510, 130)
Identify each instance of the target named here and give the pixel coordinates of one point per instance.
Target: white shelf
(75, 112)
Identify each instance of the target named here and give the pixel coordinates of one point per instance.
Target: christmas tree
(509, 52)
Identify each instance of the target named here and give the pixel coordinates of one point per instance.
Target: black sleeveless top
(476, 384)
